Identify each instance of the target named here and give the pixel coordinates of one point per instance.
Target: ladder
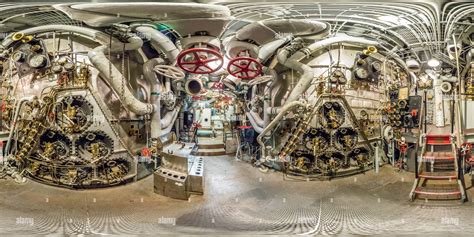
(438, 171)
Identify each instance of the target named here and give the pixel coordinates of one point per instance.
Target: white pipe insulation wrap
(168, 118)
(114, 77)
(306, 71)
(257, 118)
(15, 117)
(94, 35)
(100, 62)
(276, 120)
(305, 52)
(155, 94)
(307, 74)
(160, 41)
(252, 121)
(269, 49)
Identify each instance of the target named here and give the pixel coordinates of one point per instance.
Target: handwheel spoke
(210, 60)
(207, 66)
(236, 65)
(189, 63)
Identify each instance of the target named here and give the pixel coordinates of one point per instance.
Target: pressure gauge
(37, 61)
(61, 60)
(18, 56)
(56, 68)
(361, 73)
(35, 48)
(69, 66)
(376, 66)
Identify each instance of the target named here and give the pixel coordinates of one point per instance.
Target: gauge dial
(37, 61)
(69, 66)
(56, 68)
(376, 66)
(361, 73)
(18, 56)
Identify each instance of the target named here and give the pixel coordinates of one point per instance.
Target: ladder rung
(438, 175)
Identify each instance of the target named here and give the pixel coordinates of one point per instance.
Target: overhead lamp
(389, 18)
(433, 62)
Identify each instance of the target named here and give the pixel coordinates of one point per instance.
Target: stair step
(439, 139)
(210, 146)
(438, 156)
(438, 193)
(438, 175)
(210, 152)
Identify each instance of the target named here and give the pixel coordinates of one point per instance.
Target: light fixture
(433, 62)
(389, 18)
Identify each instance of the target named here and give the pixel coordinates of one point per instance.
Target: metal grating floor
(238, 199)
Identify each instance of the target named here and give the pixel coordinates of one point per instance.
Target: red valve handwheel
(245, 68)
(196, 60)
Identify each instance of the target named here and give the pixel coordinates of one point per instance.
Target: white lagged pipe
(255, 125)
(113, 76)
(307, 74)
(160, 41)
(98, 59)
(275, 121)
(306, 51)
(155, 94)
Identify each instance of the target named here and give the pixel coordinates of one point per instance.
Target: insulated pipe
(94, 35)
(167, 129)
(160, 41)
(168, 119)
(279, 88)
(113, 76)
(266, 104)
(269, 48)
(468, 62)
(304, 52)
(155, 93)
(15, 117)
(255, 126)
(255, 115)
(98, 59)
(159, 123)
(275, 121)
(306, 72)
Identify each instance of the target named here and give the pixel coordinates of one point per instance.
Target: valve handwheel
(198, 60)
(245, 68)
(169, 71)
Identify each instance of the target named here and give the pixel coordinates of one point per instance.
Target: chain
(122, 89)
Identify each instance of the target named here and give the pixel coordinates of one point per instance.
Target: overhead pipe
(287, 107)
(98, 59)
(255, 125)
(306, 72)
(159, 41)
(94, 35)
(15, 117)
(160, 124)
(279, 88)
(114, 77)
(306, 51)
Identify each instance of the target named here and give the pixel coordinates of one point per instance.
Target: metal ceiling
(417, 29)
